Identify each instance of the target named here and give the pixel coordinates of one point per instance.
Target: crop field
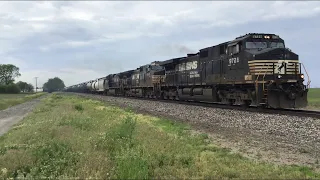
(8, 100)
(72, 137)
(314, 98)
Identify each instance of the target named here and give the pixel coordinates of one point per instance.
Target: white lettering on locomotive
(188, 66)
(233, 61)
(194, 74)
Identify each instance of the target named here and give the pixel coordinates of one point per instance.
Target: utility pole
(36, 84)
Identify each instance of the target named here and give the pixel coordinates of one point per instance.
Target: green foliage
(106, 142)
(131, 164)
(53, 84)
(8, 72)
(121, 136)
(8, 100)
(314, 98)
(52, 159)
(82, 123)
(56, 96)
(25, 87)
(124, 149)
(10, 88)
(78, 107)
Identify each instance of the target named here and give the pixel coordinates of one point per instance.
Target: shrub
(78, 107)
(11, 88)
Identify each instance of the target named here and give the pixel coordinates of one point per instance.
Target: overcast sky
(80, 41)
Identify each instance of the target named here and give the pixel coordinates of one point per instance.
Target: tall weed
(125, 151)
(52, 159)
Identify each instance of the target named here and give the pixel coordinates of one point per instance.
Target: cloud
(55, 38)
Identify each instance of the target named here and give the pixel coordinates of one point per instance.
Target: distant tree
(10, 88)
(24, 86)
(30, 88)
(8, 72)
(54, 84)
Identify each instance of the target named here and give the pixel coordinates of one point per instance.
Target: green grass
(73, 137)
(8, 100)
(314, 98)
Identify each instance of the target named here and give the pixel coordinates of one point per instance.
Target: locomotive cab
(157, 73)
(156, 69)
(275, 71)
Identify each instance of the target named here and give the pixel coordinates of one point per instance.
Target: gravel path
(277, 138)
(14, 114)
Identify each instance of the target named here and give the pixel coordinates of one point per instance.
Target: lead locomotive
(253, 70)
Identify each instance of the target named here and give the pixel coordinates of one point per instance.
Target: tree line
(8, 74)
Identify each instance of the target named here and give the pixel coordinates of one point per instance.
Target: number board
(257, 36)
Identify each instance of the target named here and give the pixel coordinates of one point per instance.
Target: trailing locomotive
(252, 70)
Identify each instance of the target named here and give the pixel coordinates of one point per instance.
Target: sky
(80, 41)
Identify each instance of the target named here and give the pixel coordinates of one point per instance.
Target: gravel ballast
(14, 114)
(278, 138)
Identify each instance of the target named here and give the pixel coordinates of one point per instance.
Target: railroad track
(290, 112)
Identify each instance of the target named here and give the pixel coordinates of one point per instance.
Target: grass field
(8, 100)
(314, 98)
(73, 137)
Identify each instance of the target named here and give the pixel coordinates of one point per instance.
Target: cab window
(276, 45)
(256, 45)
(234, 49)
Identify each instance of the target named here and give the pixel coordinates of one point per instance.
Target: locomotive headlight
(302, 76)
(279, 76)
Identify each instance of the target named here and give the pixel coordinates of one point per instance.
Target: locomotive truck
(255, 69)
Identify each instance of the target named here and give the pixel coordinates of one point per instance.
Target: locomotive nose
(292, 95)
(292, 92)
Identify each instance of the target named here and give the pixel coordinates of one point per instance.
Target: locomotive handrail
(257, 79)
(264, 75)
(308, 83)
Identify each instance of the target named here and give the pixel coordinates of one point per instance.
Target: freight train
(255, 69)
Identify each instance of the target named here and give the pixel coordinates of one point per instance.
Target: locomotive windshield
(262, 45)
(276, 45)
(256, 45)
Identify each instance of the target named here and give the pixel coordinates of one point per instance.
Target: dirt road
(14, 114)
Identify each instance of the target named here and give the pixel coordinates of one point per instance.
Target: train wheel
(247, 103)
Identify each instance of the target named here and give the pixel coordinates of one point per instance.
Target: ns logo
(280, 67)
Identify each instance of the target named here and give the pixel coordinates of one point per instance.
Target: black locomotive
(252, 70)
